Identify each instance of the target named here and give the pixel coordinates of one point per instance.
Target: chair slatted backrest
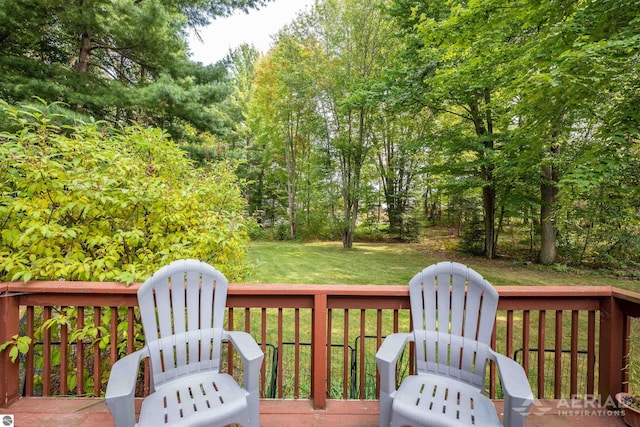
(182, 307)
(453, 312)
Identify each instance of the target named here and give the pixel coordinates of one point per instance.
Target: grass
(329, 263)
(396, 264)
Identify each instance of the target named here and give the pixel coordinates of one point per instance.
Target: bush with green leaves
(88, 202)
(599, 212)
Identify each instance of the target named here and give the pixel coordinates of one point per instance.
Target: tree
(463, 84)
(565, 61)
(354, 37)
(119, 61)
(285, 113)
(529, 78)
(398, 138)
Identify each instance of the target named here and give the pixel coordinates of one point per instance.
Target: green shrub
(472, 238)
(93, 203)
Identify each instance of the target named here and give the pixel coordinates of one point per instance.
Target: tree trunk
(292, 216)
(291, 192)
(488, 190)
(489, 202)
(85, 53)
(291, 162)
(548, 230)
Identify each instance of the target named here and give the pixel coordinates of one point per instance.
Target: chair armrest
(122, 386)
(387, 358)
(251, 355)
(518, 397)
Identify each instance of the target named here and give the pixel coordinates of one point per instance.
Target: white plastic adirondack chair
(453, 310)
(182, 308)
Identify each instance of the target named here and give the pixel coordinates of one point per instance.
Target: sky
(255, 28)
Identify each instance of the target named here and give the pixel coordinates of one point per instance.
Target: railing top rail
(555, 291)
(69, 287)
(64, 287)
(626, 295)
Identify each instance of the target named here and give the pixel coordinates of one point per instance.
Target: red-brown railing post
(612, 344)
(9, 326)
(319, 362)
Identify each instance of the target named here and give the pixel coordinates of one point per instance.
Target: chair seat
(434, 400)
(195, 400)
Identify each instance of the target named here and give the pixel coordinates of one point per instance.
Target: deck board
(88, 412)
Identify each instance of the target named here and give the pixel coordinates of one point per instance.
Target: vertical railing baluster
(557, 392)
(46, 354)
(280, 354)
(131, 338)
(296, 378)
(412, 351)
(363, 337)
(80, 354)
(542, 328)
(509, 337)
(97, 320)
(113, 335)
(526, 328)
(378, 343)
(263, 346)
(64, 354)
(231, 327)
(345, 355)
(146, 378)
(29, 363)
(492, 367)
(573, 383)
(591, 352)
(396, 320)
(329, 348)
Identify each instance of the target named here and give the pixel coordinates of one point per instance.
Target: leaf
(13, 353)
(23, 344)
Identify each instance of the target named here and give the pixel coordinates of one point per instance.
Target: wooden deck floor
(74, 412)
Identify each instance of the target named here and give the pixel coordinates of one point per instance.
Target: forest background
(366, 120)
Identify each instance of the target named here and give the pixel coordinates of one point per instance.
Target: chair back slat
(458, 299)
(453, 311)
(182, 307)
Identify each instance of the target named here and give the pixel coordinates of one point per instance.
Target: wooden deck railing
(319, 340)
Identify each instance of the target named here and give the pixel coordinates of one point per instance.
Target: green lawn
(329, 263)
(393, 264)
